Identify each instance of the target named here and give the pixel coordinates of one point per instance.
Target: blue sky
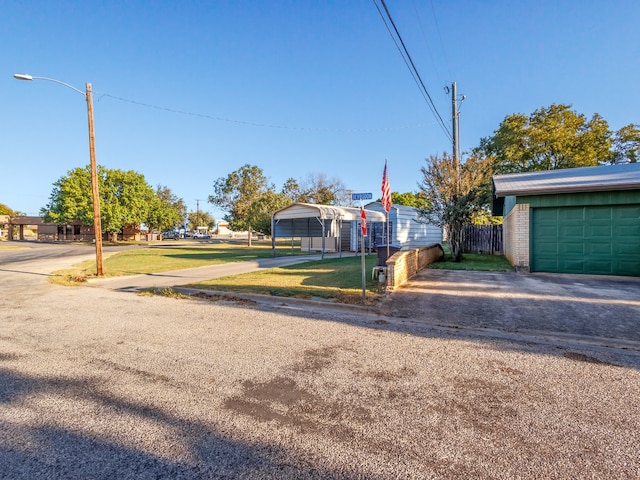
(295, 87)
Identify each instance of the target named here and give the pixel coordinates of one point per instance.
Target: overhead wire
(263, 125)
(426, 41)
(404, 53)
(444, 54)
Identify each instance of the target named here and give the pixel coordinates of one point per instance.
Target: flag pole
(386, 202)
(388, 239)
(363, 232)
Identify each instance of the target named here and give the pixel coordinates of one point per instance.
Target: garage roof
(586, 179)
(325, 212)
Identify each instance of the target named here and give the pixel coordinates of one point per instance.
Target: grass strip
(166, 258)
(338, 279)
(475, 262)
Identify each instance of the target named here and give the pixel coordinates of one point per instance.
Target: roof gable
(325, 212)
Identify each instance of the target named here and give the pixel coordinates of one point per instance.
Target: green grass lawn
(339, 279)
(165, 258)
(473, 261)
(336, 278)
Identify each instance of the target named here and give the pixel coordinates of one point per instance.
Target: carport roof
(586, 179)
(325, 212)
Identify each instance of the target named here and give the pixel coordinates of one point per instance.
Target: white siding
(407, 231)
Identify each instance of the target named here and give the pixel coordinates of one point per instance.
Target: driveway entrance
(601, 309)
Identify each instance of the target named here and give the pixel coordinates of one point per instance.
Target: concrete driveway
(596, 309)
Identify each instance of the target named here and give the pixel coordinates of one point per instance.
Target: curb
(283, 301)
(626, 347)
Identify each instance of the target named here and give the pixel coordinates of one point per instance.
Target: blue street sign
(361, 196)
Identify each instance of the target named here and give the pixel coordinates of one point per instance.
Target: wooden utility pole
(455, 134)
(97, 224)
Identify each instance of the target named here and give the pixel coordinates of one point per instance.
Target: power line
(444, 54)
(426, 41)
(265, 125)
(404, 52)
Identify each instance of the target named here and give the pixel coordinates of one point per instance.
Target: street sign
(361, 196)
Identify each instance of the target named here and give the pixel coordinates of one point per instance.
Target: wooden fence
(483, 239)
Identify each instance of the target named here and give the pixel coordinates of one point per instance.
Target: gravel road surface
(102, 384)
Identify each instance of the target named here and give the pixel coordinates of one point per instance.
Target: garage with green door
(581, 220)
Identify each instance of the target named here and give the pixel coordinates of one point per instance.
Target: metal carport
(313, 221)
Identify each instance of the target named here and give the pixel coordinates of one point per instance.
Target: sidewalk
(187, 276)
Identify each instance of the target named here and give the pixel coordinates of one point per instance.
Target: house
(578, 220)
(405, 231)
(223, 228)
(35, 228)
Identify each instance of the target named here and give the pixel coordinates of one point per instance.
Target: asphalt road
(103, 383)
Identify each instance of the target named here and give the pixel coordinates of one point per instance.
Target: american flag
(386, 190)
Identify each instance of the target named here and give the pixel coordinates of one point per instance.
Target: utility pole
(197, 213)
(455, 135)
(97, 224)
(455, 118)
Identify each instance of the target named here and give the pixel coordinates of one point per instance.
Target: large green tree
(550, 138)
(200, 219)
(262, 210)
(236, 192)
(454, 193)
(71, 198)
(125, 199)
(166, 212)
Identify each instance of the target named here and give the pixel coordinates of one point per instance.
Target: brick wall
(516, 236)
(403, 265)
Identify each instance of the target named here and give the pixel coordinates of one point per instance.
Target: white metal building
(324, 228)
(404, 229)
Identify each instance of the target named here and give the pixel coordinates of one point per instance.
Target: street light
(97, 225)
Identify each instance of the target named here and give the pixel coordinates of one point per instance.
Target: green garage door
(591, 239)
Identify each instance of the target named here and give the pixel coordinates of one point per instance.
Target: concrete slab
(606, 309)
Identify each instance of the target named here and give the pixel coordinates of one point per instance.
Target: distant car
(201, 235)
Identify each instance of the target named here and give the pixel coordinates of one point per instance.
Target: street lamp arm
(21, 76)
(97, 224)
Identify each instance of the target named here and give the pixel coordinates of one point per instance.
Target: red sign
(363, 221)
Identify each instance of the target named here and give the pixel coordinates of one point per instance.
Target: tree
(408, 199)
(4, 210)
(454, 193)
(263, 208)
(71, 199)
(200, 219)
(626, 144)
(319, 189)
(550, 138)
(125, 199)
(291, 189)
(236, 192)
(166, 211)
